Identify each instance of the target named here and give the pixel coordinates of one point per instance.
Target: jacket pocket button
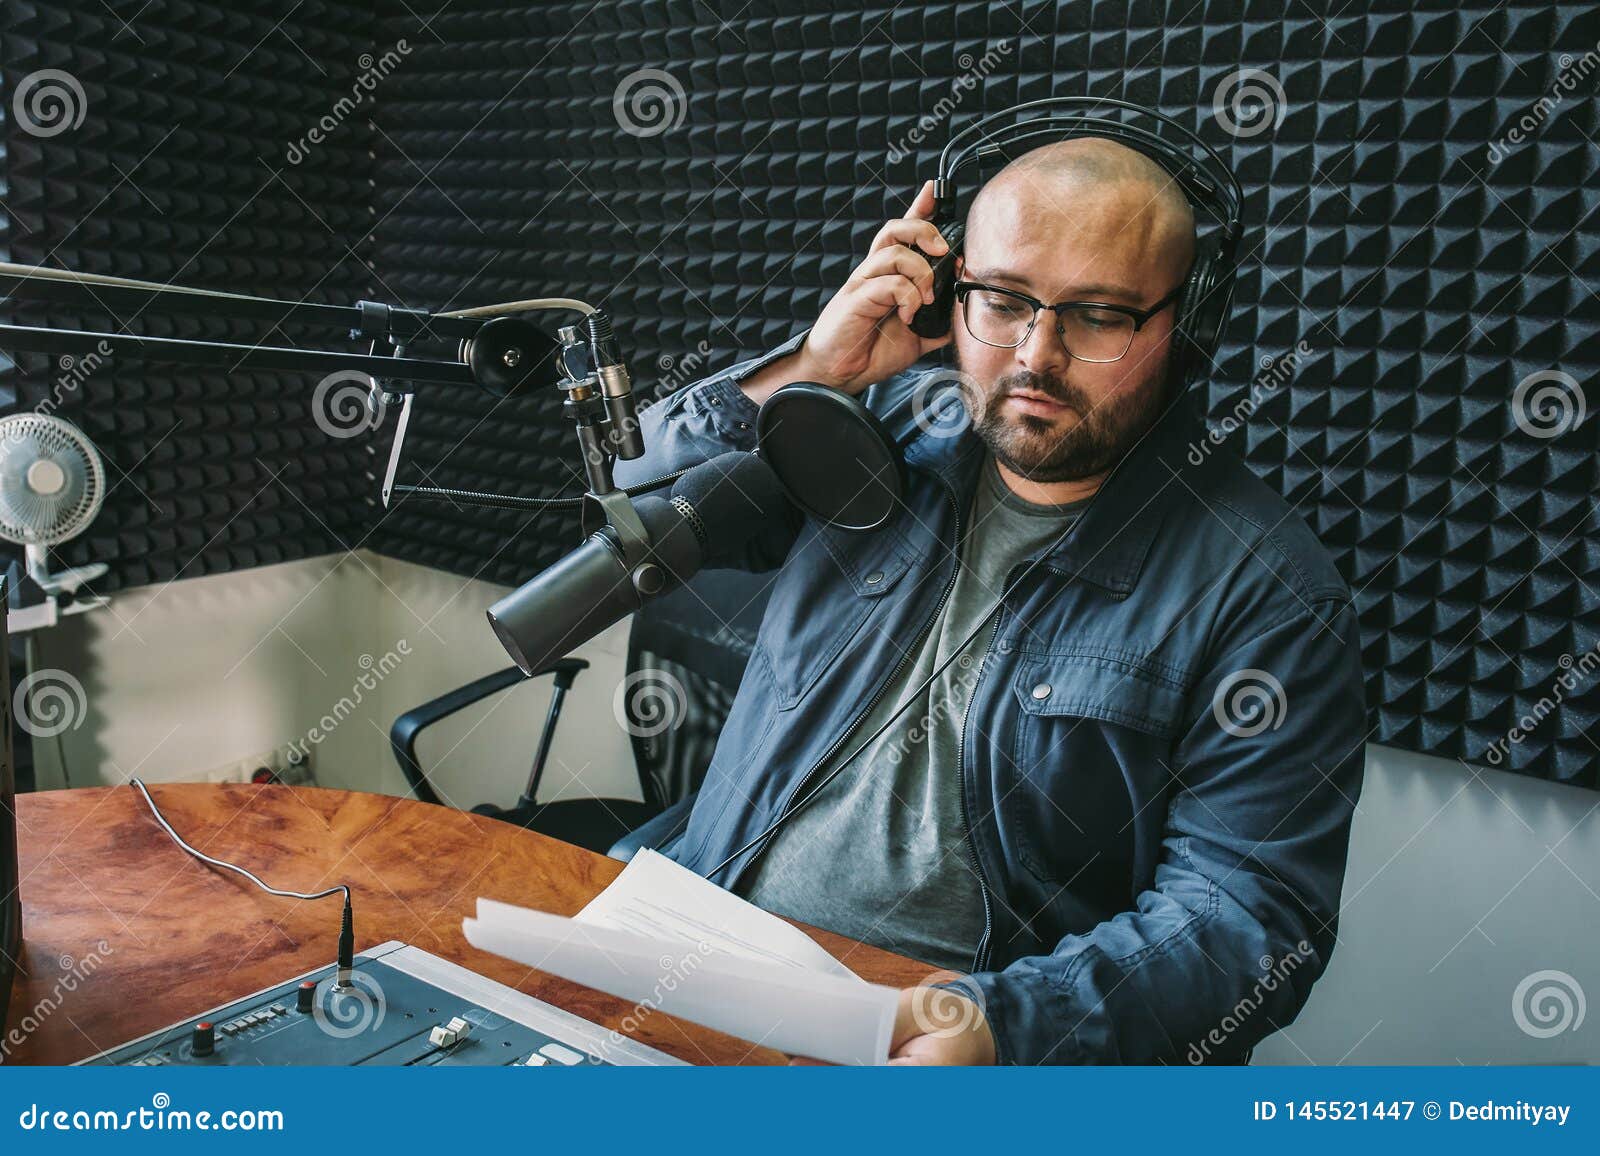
(875, 577)
(1042, 691)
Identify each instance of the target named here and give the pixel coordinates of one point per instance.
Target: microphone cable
(346, 961)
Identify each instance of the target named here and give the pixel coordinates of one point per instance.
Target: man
(1119, 793)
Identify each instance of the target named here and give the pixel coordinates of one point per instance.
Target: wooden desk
(161, 936)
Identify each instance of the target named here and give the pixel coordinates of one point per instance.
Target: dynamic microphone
(715, 507)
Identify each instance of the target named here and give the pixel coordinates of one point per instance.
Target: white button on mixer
(562, 1055)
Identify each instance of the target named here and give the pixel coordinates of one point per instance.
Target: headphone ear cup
(1203, 308)
(1188, 352)
(1207, 311)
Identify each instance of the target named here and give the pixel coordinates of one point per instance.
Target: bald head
(1082, 203)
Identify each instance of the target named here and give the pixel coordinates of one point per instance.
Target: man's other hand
(937, 1025)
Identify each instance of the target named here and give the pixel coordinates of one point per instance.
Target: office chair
(676, 643)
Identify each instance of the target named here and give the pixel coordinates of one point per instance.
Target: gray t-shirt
(881, 855)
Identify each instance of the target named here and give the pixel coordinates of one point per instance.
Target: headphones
(1207, 182)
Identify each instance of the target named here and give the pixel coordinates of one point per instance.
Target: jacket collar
(1113, 538)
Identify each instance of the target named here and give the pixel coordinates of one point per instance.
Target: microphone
(715, 507)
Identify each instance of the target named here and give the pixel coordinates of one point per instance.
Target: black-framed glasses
(1090, 330)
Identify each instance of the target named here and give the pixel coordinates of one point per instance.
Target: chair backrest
(686, 656)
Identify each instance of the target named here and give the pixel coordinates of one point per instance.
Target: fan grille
(40, 505)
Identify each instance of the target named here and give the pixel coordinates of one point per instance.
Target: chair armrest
(403, 734)
(657, 834)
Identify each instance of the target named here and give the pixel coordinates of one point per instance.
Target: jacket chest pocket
(832, 582)
(1094, 734)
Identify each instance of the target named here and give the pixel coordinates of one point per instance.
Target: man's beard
(1037, 448)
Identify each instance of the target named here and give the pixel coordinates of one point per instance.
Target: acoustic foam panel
(179, 171)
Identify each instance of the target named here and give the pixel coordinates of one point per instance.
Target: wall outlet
(297, 769)
(286, 765)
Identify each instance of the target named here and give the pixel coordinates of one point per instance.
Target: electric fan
(52, 483)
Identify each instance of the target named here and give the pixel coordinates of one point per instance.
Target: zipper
(827, 757)
(981, 956)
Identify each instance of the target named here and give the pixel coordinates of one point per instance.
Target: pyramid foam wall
(166, 155)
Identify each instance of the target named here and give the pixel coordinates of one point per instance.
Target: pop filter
(833, 457)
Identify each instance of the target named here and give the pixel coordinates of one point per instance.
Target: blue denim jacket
(1162, 752)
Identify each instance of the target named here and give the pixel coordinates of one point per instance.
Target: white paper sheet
(659, 898)
(793, 1009)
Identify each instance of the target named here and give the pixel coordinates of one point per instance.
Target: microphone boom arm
(497, 350)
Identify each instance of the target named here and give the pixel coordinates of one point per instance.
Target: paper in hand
(663, 943)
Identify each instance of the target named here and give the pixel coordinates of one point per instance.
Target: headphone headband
(1208, 184)
(1206, 178)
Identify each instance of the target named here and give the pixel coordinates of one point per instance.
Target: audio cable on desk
(347, 935)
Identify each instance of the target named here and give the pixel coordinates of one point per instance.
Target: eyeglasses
(1090, 330)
